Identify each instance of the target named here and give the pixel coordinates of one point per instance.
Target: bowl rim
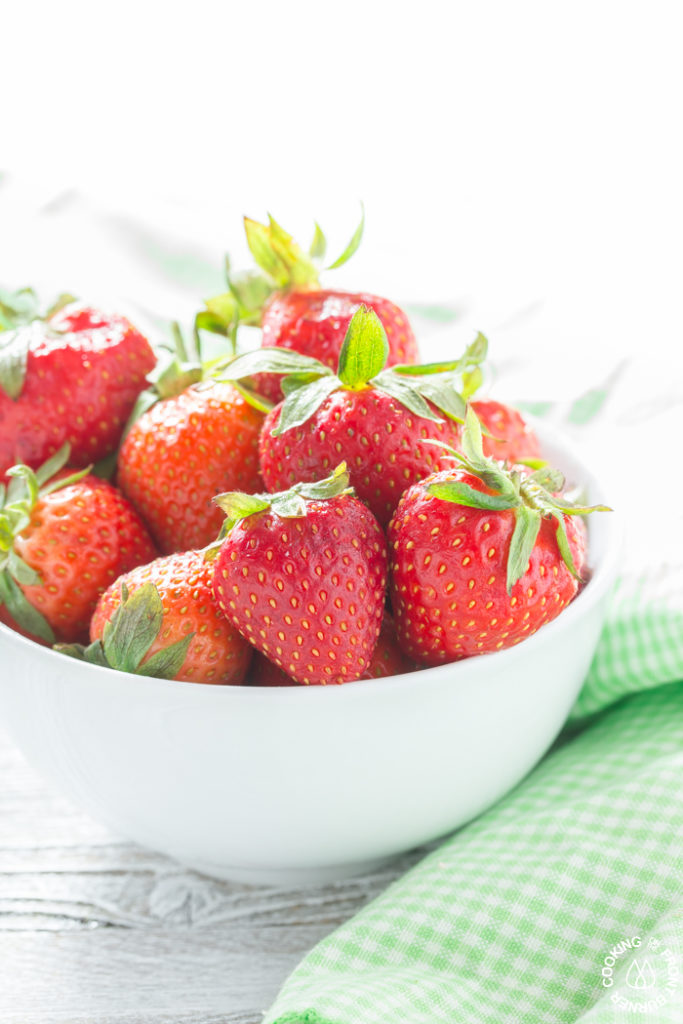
(602, 577)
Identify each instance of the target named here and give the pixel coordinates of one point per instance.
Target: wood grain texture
(95, 930)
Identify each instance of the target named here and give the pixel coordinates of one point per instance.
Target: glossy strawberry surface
(181, 453)
(379, 439)
(84, 371)
(217, 653)
(307, 592)
(448, 575)
(314, 323)
(511, 438)
(79, 540)
(387, 660)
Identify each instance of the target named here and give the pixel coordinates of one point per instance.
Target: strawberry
(161, 620)
(379, 420)
(315, 324)
(293, 310)
(64, 537)
(71, 377)
(481, 557)
(302, 576)
(509, 435)
(196, 439)
(387, 660)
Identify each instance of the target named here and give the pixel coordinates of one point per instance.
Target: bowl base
(292, 878)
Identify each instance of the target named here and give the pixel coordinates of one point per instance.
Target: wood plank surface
(96, 930)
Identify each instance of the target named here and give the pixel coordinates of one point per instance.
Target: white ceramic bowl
(297, 784)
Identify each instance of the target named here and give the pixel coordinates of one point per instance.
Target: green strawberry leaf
(143, 403)
(527, 525)
(331, 487)
(297, 380)
(472, 380)
(166, 663)
(93, 653)
(441, 391)
(365, 349)
(318, 246)
(472, 439)
(128, 636)
(276, 253)
(273, 360)
(223, 309)
(133, 627)
(53, 465)
(300, 269)
(563, 545)
(476, 351)
(237, 506)
(21, 571)
(105, 468)
(570, 508)
(253, 398)
(548, 478)
(299, 405)
(18, 308)
(14, 349)
(289, 505)
(460, 493)
(60, 303)
(207, 321)
(474, 354)
(251, 290)
(258, 240)
(23, 613)
(354, 242)
(29, 480)
(392, 384)
(64, 481)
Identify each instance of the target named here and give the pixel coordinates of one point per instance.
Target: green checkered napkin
(516, 918)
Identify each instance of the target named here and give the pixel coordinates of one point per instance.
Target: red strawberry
(387, 660)
(379, 420)
(315, 323)
(512, 439)
(179, 632)
(302, 575)
(295, 313)
(65, 538)
(181, 453)
(482, 558)
(74, 378)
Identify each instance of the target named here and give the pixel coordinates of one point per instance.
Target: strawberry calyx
(183, 366)
(17, 501)
(128, 636)
(242, 304)
(307, 383)
(531, 498)
(290, 504)
(19, 309)
(283, 265)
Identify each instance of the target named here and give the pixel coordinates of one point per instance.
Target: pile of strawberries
(318, 510)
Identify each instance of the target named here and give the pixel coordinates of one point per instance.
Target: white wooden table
(95, 930)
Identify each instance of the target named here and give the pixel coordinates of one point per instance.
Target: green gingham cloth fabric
(562, 903)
